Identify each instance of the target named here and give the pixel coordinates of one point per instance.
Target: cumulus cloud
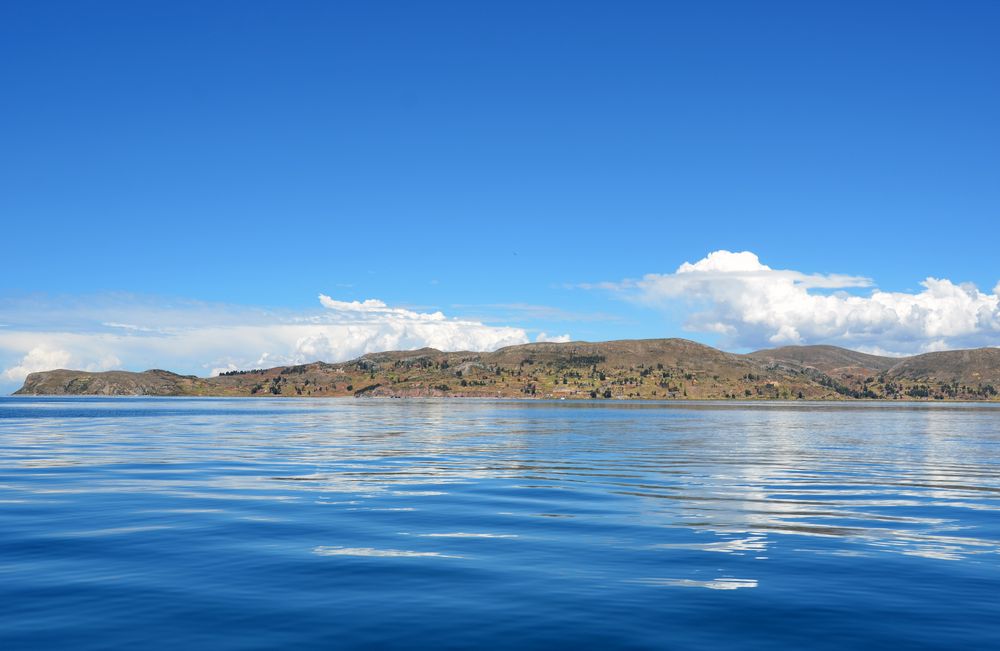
(354, 328)
(38, 358)
(197, 338)
(555, 339)
(751, 305)
(45, 358)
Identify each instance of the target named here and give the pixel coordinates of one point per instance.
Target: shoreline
(526, 399)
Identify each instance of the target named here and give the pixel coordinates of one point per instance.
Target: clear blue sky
(457, 154)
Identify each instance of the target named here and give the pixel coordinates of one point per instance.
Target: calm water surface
(264, 524)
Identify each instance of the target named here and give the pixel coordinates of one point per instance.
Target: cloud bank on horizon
(239, 338)
(750, 305)
(732, 296)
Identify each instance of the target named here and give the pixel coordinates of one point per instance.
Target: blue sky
(519, 165)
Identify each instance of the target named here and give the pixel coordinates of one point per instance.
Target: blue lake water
(340, 524)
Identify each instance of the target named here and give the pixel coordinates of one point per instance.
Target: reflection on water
(270, 523)
(368, 551)
(715, 584)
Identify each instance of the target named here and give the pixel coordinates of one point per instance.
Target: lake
(336, 524)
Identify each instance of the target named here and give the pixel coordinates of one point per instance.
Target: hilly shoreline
(651, 369)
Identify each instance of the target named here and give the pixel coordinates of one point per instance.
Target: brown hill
(648, 369)
(979, 365)
(148, 383)
(828, 359)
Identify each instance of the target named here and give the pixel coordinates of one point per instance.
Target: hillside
(956, 374)
(628, 369)
(977, 366)
(147, 383)
(828, 359)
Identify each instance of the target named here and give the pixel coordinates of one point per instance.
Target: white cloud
(354, 328)
(752, 305)
(555, 339)
(198, 338)
(39, 358)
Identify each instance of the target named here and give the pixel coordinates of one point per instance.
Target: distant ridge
(660, 369)
(825, 358)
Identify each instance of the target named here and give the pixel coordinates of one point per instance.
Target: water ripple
(159, 523)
